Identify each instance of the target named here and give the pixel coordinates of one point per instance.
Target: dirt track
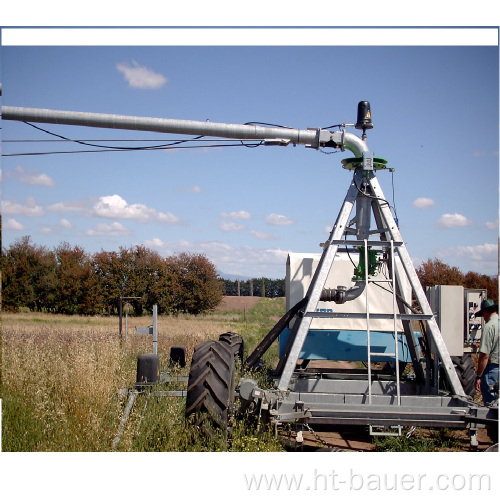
(358, 439)
(237, 303)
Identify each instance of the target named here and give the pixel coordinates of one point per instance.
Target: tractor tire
(464, 366)
(210, 392)
(236, 344)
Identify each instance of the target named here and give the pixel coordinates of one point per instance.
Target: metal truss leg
(302, 324)
(417, 289)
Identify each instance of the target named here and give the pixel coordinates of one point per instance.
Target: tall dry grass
(62, 376)
(59, 386)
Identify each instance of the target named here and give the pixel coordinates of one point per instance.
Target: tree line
(435, 272)
(255, 287)
(68, 280)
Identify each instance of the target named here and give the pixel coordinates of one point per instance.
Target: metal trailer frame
(330, 398)
(384, 403)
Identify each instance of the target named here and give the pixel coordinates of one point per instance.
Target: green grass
(61, 377)
(419, 441)
(158, 424)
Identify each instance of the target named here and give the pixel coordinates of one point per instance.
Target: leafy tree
(29, 276)
(141, 268)
(109, 280)
(76, 291)
(482, 281)
(162, 290)
(435, 272)
(194, 283)
(229, 287)
(262, 287)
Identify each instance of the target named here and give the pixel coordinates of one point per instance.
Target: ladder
(390, 236)
(392, 281)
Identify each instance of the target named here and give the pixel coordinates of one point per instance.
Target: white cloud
(242, 214)
(167, 218)
(155, 243)
(115, 207)
(424, 203)
(230, 226)
(453, 220)
(278, 220)
(492, 225)
(242, 260)
(13, 225)
(193, 189)
(29, 209)
(32, 177)
(481, 258)
(140, 77)
(113, 229)
(262, 236)
(68, 206)
(65, 223)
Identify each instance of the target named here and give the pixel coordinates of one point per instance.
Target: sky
(435, 116)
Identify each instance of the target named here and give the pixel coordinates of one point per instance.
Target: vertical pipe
(155, 329)
(368, 332)
(396, 338)
(120, 322)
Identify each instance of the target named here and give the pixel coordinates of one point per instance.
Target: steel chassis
(383, 402)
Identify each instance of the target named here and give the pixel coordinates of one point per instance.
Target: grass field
(62, 378)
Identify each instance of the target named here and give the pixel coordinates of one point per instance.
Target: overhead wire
(41, 153)
(176, 144)
(84, 143)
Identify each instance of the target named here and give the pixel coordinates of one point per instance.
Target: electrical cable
(109, 150)
(377, 198)
(111, 147)
(393, 198)
(340, 125)
(104, 148)
(111, 140)
(267, 125)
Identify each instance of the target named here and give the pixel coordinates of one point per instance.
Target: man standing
(487, 368)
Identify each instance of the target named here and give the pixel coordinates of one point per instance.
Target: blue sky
(435, 115)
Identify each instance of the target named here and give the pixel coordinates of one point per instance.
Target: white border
(249, 36)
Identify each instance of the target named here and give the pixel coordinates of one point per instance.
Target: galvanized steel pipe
(311, 137)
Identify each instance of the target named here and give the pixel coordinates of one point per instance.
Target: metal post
(120, 321)
(120, 313)
(155, 329)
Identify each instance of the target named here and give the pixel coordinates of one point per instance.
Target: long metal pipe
(310, 137)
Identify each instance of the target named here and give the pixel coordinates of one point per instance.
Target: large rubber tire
(235, 342)
(464, 366)
(210, 392)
